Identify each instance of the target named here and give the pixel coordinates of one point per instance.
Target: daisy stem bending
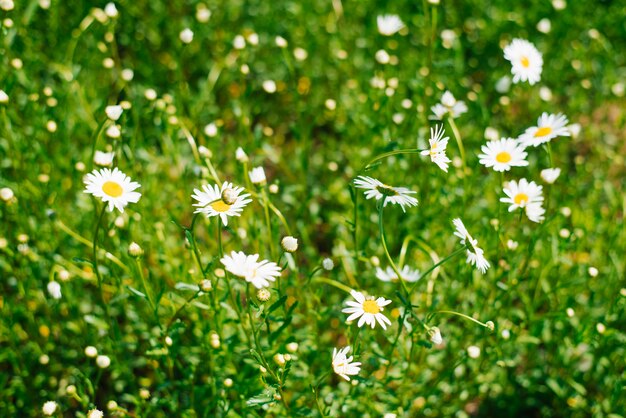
(95, 262)
(463, 316)
(459, 141)
(389, 154)
(382, 238)
(433, 267)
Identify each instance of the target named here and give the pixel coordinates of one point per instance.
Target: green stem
(268, 221)
(382, 238)
(94, 141)
(95, 263)
(454, 254)
(145, 285)
(459, 141)
(334, 283)
(463, 316)
(389, 154)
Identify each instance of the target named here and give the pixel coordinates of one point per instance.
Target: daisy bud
(601, 328)
(506, 334)
(228, 382)
(435, 2)
(51, 126)
(473, 351)
(292, 347)
(6, 194)
(206, 285)
(549, 175)
(279, 359)
(4, 98)
(91, 351)
(300, 54)
(113, 132)
(269, 86)
(203, 14)
(95, 413)
(112, 405)
(241, 155)
(70, 390)
(210, 130)
(593, 272)
(205, 152)
(110, 10)
(239, 42)
(44, 359)
(253, 38)
(490, 325)
(64, 275)
(54, 289)
(435, 335)
(273, 188)
(289, 244)
(49, 408)
(150, 94)
(257, 176)
(229, 196)
(113, 112)
(7, 5)
(186, 36)
(144, 393)
(127, 74)
(280, 42)
(570, 312)
(134, 250)
(328, 264)
(168, 341)
(263, 295)
(103, 361)
(262, 369)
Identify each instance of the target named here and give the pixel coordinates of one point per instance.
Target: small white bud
(263, 295)
(49, 408)
(328, 264)
(144, 393)
(257, 176)
(4, 98)
(127, 74)
(91, 351)
(110, 10)
(51, 126)
(292, 347)
(279, 359)
(435, 335)
(134, 250)
(473, 351)
(239, 42)
(206, 285)
(103, 361)
(103, 159)
(95, 413)
(205, 152)
(228, 382)
(269, 86)
(241, 155)
(54, 289)
(490, 325)
(593, 272)
(168, 341)
(289, 244)
(300, 54)
(203, 14)
(186, 35)
(280, 42)
(229, 196)
(113, 132)
(150, 94)
(210, 130)
(6, 194)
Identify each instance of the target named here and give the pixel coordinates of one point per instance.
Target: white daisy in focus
(526, 61)
(549, 175)
(475, 254)
(367, 309)
(549, 126)
(211, 201)
(389, 24)
(103, 159)
(448, 106)
(389, 275)
(343, 365)
(260, 274)
(525, 195)
(113, 187)
(503, 154)
(438, 144)
(377, 190)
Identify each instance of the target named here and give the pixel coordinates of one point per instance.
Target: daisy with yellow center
(527, 196)
(343, 365)
(367, 309)
(475, 254)
(448, 106)
(211, 201)
(112, 187)
(503, 154)
(377, 190)
(526, 61)
(438, 144)
(549, 126)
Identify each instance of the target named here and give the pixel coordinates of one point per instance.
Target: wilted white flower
(526, 61)
(389, 24)
(475, 254)
(435, 335)
(377, 190)
(367, 309)
(343, 365)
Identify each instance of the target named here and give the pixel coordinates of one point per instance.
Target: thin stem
(180, 309)
(463, 316)
(94, 140)
(145, 285)
(459, 141)
(268, 221)
(334, 283)
(454, 254)
(95, 262)
(382, 238)
(389, 154)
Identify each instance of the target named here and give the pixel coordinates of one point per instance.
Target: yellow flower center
(503, 157)
(371, 307)
(525, 62)
(220, 206)
(520, 198)
(543, 131)
(112, 189)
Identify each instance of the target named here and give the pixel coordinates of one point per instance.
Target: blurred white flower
(49, 408)
(103, 159)
(526, 61)
(91, 351)
(503, 154)
(389, 24)
(260, 274)
(389, 275)
(6, 194)
(448, 106)
(239, 42)
(241, 155)
(549, 175)
(95, 413)
(367, 309)
(257, 176)
(112, 187)
(210, 130)
(525, 195)
(544, 25)
(377, 190)
(549, 126)
(473, 351)
(382, 56)
(211, 202)
(269, 86)
(186, 36)
(110, 10)
(203, 14)
(343, 365)
(4, 98)
(113, 112)
(113, 132)
(300, 54)
(54, 289)
(475, 254)
(438, 144)
(280, 42)
(435, 335)
(103, 361)
(289, 244)
(328, 264)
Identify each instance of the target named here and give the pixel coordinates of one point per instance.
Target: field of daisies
(321, 208)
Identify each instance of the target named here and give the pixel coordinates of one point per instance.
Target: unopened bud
(263, 295)
(229, 196)
(289, 244)
(435, 335)
(134, 250)
(205, 285)
(490, 325)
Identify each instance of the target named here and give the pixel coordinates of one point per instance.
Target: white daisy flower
(367, 309)
(549, 175)
(503, 154)
(376, 189)
(389, 24)
(435, 335)
(260, 274)
(475, 255)
(343, 365)
(103, 159)
(113, 187)
(526, 61)
(525, 195)
(389, 275)
(448, 106)
(211, 202)
(548, 126)
(438, 144)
